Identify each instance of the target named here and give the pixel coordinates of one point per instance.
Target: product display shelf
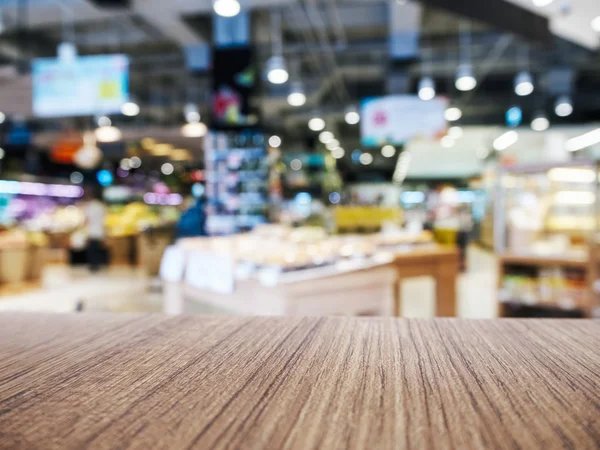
(552, 286)
(545, 216)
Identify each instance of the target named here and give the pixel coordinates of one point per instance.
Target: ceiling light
(296, 96)
(583, 141)
(125, 164)
(89, 155)
(276, 70)
(130, 109)
(316, 124)
(2, 117)
(66, 52)
(332, 144)
(455, 132)
(274, 141)
(596, 24)
(325, 136)
(465, 80)
(563, 106)
(76, 177)
(366, 159)
(338, 153)
(452, 114)
(447, 142)
(506, 140)
(167, 168)
(296, 164)
(540, 123)
(193, 130)
(104, 121)
(107, 134)
(571, 175)
(135, 162)
(426, 88)
(226, 8)
(388, 151)
(575, 198)
(352, 117)
(542, 3)
(523, 84)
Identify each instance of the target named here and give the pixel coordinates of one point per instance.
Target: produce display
(289, 249)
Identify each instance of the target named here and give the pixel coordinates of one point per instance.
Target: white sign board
(396, 119)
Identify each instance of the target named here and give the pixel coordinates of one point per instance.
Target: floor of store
(123, 289)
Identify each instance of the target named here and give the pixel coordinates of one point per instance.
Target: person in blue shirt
(193, 221)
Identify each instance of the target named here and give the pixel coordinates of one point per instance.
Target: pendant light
(524, 81)
(523, 84)
(426, 88)
(66, 50)
(352, 117)
(276, 67)
(226, 8)
(465, 79)
(563, 106)
(540, 122)
(296, 97)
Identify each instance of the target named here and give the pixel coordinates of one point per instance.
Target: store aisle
(123, 289)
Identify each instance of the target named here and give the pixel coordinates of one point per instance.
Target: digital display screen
(88, 85)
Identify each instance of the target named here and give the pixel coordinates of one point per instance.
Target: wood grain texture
(106, 381)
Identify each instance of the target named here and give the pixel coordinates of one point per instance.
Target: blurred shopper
(95, 213)
(463, 236)
(193, 221)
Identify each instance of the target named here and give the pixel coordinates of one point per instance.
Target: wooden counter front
(152, 381)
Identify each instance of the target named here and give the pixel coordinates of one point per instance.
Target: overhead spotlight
(316, 124)
(107, 134)
(296, 164)
(226, 8)
(506, 140)
(130, 109)
(167, 168)
(523, 84)
(426, 88)
(332, 144)
(465, 80)
(366, 159)
(274, 141)
(388, 151)
(452, 114)
(338, 153)
(104, 121)
(325, 137)
(540, 123)
(352, 117)
(563, 106)
(191, 113)
(276, 70)
(135, 162)
(296, 97)
(193, 130)
(66, 52)
(596, 24)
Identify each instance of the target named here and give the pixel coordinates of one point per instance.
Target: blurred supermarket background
(364, 157)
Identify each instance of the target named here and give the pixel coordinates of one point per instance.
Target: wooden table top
(152, 381)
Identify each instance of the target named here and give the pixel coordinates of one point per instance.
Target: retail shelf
(537, 260)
